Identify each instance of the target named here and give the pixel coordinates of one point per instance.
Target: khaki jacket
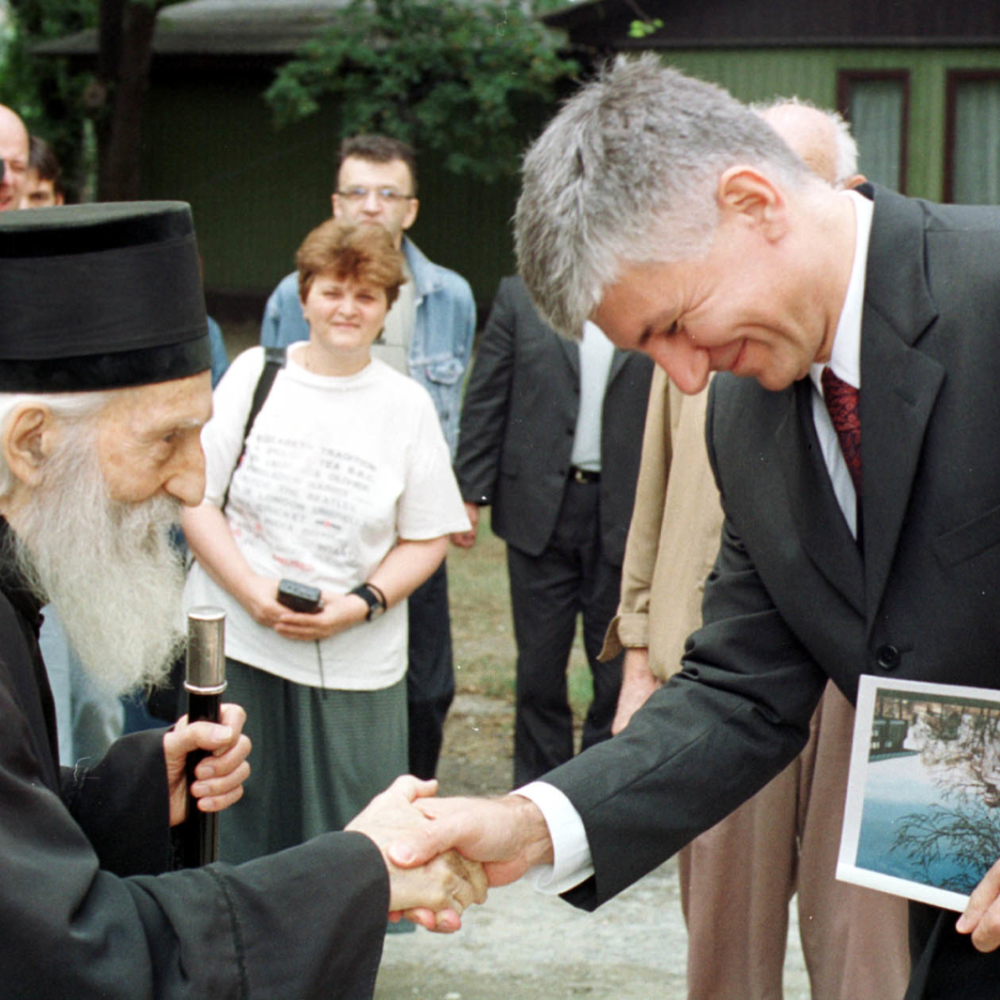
(674, 534)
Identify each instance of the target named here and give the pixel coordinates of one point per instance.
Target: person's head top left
(14, 157)
(42, 186)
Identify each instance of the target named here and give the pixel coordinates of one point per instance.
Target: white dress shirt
(596, 352)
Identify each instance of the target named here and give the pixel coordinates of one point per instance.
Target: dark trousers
(946, 966)
(548, 591)
(430, 675)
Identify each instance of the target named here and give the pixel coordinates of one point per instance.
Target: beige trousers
(737, 880)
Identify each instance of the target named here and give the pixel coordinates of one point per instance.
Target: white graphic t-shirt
(336, 469)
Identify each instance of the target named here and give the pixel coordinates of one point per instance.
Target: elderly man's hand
(219, 777)
(436, 894)
(433, 894)
(981, 918)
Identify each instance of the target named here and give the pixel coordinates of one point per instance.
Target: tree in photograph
(966, 838)
(444, 75)
(962, 745)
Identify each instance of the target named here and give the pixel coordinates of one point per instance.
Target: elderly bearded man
(104, 358)
(677, 220)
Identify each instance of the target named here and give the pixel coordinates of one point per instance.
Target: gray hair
(847, 148)
(627, 173)
(70, 407)
(845, 145)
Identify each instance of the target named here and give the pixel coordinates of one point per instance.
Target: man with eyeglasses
(428, 336)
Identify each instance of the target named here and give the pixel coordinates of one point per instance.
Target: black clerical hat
(100, 297)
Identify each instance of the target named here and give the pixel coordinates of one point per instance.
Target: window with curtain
(876, 105)
(972, 167)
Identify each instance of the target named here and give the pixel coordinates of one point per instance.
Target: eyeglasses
(387, 195)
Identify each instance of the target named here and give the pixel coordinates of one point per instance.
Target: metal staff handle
(204, 683)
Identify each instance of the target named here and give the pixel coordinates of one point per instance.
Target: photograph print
(922, 818)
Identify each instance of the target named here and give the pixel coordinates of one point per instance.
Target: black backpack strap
(274, 361)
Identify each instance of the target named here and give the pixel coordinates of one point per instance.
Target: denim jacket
(443, 328)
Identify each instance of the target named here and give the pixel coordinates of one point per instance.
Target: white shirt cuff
(571, 851)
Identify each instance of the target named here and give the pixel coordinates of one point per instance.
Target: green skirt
(318, 758)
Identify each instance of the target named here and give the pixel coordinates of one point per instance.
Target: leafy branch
(967, 837)
(443, 75)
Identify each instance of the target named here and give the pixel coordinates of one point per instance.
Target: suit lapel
(818, 519)
(899, 385)
(618, 360)
(571, 352)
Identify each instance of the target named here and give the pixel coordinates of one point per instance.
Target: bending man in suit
(737, 879)
(550, 437)
(680, 222)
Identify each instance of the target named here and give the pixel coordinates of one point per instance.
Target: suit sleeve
(487, 400)
(734, 716)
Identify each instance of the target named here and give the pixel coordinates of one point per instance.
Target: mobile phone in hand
(299, 597)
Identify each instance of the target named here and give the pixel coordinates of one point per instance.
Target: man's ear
(29, 438)
(746, 194)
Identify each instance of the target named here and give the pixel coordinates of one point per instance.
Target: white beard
(108, 567)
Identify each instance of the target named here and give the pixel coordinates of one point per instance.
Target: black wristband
(373, 597)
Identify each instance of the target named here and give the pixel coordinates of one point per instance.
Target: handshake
(443, 854)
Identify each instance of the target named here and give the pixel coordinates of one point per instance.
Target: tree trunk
(124, 55)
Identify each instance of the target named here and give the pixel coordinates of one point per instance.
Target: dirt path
(523, 945)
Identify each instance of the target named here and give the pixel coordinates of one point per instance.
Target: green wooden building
(919, 81)
(209, 138)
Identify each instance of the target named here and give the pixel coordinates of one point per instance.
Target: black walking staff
(206, 680)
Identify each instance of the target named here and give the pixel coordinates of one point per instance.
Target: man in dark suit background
(550, 436)
(665, 210)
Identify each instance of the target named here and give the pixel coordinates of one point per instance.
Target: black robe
(88, 904)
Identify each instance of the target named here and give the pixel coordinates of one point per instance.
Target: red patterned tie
(842, 402)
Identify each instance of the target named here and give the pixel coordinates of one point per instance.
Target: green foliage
(645, 27)
(43, 91)
(55, 103)
(441, 74)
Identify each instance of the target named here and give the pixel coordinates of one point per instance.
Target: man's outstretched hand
(507, 835)
(435, 891)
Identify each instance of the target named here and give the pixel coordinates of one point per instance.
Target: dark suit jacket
(790, 601)
(518, 421)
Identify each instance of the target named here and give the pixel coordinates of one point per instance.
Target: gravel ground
(522, 944)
